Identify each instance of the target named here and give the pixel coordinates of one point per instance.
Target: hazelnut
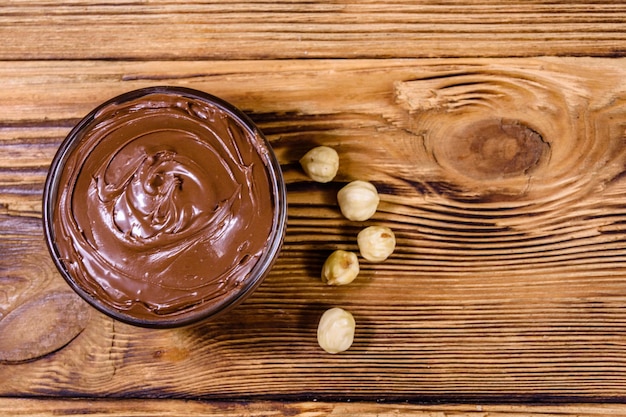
(335, 332)
(358, 200)
(340, 268)
(320, 163)
(376, 243)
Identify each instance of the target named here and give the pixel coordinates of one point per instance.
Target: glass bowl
(164, 206)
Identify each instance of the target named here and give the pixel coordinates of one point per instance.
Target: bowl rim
(260, 269)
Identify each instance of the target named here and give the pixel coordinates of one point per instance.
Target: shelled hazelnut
(321, 163)
(376, 243)
(340, 268)
(358, 200)
(335, 331)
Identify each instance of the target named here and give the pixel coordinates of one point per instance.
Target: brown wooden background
(495, 133)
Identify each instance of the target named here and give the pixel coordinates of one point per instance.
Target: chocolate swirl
(165, 206)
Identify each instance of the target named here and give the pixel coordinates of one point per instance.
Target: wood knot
(493, 133)
(492, 149)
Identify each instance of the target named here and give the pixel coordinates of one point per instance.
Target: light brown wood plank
(303, 29)
(508, 283)
(177, 408)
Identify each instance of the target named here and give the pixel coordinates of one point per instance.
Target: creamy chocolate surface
(165, 206)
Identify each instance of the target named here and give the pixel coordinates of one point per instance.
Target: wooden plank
(177, 408)
(508, 282)
(303, 29)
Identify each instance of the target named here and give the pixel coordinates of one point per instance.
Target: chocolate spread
(166, 204)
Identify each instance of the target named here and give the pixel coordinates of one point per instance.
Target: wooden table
(495, 133)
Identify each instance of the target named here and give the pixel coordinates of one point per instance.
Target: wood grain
(289, 29)
(42, 326)
(178, 408)
(509, 279)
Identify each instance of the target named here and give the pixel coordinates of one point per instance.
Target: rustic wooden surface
(495, 133)
(190, 408)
